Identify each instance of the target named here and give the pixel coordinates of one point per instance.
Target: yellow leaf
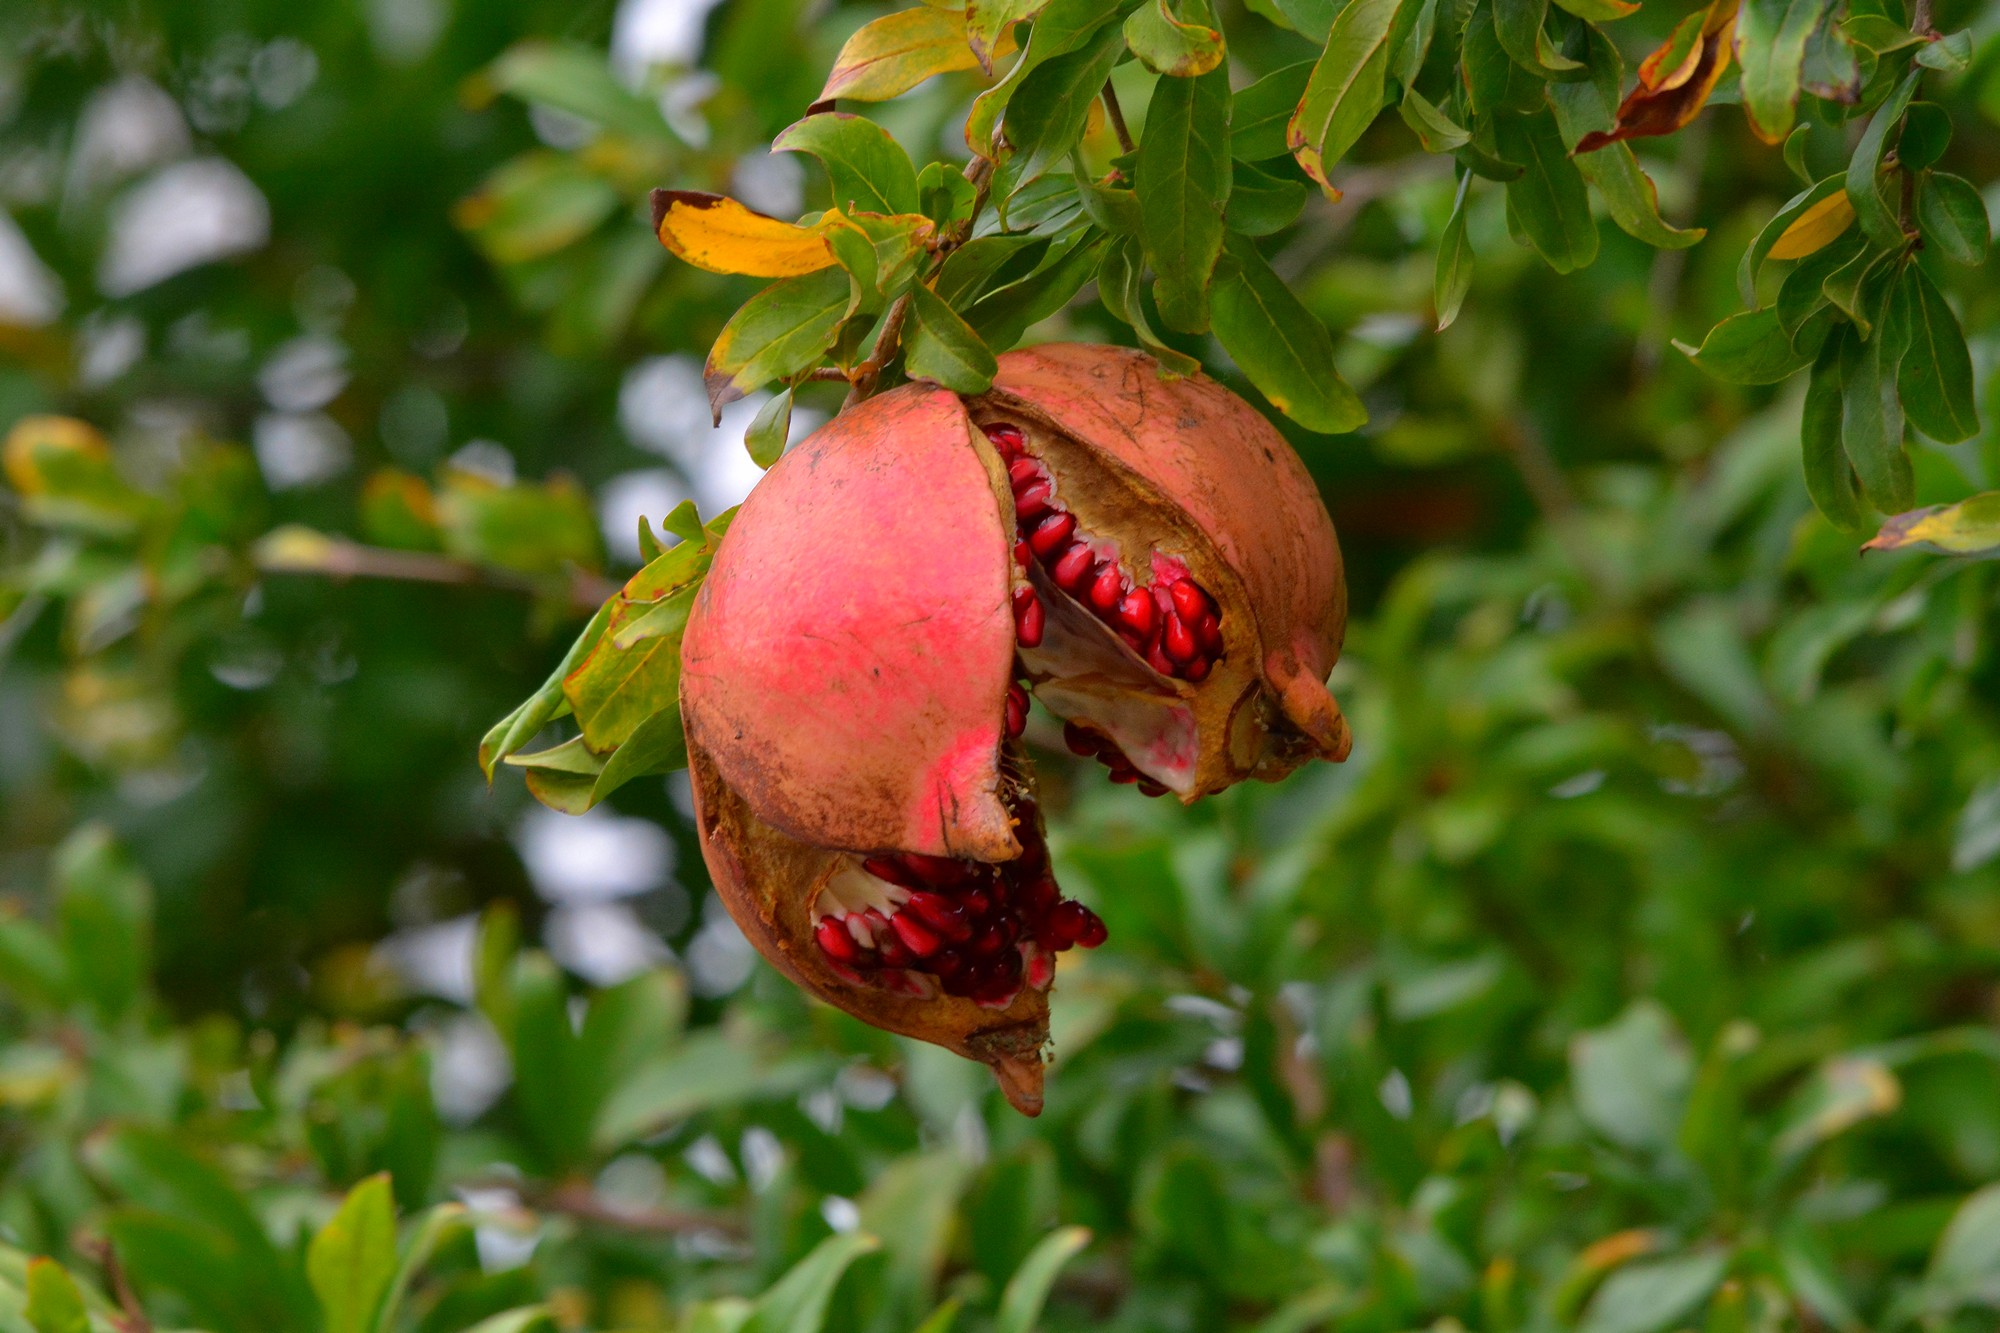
(716, 233)
(35, 440)
(894, 54)
(1816, 228)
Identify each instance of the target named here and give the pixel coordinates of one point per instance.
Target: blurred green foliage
(1638, 972)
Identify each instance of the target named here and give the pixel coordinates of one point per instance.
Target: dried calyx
(1146, 557)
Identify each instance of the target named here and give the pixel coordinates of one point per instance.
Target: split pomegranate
(1146, 557)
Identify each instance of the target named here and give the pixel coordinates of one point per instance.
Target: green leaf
(1260, 203)
(1926, 134)
(1949, 54)
(910, 1206)
(534, 205)
(1119, 287)
(1346, 88)
(780, 332)
(1548, 204)
(1047, 118)
(1970, 527)
(870, 171)
(1952, 217)
(576, 78)
(986, 21)
(353, 1257)
(1260, 113)
(1028, 1290)
(797, 1302)
(1168, 46)
(1454, 261)
(1748, 348)
(1829, 474)
(105, 907)
(1871, 423)
(527, 1319)
(1631, 1078)
(1493, 81)
(1853, 286)
(1863, 181)
(1803, 292)
(54, 1303)
(1650, 1297)
(1934, 378)
(1600, 11)
(1437, 132)
(1966, 1262)
(1632, 200)
(1874, 32)
(1183, 184)
(1005, 313)
(1112, 207)
(1281, 345)
(947, 196)
(1519, 26)
(1771, 51)
(1062, 27)
(1410, 39)
(769, 431)
(943, 348)
(438, 1226)
(1795, 154)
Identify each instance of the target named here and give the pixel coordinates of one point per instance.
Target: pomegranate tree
(1146, 557)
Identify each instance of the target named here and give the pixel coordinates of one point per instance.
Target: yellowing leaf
(1815, 228)
(715, 232)
(1674, 81)
(894, 54)
(34, 440)
(1970, 527)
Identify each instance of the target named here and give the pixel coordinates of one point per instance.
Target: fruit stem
(1116, 115)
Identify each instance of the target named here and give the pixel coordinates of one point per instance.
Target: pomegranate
(1148, 558)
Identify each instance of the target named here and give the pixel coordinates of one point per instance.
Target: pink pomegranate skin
(846, 658)
(1236, 478)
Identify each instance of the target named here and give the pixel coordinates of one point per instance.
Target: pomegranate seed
(1109, 588)
(948, 963)
(974, 902)
(1069, 920)
(940, 913)
(1017, 710)
(1052, 532)
(1081, 741)
(1123, 776)
(1093, 932)
(1158, 661)
(1148, 787)
(1032, 500)
(1208, 632)
(1197, 670)
(895, 953)
(889, 868)
(1021, 554)
(1177, 641)
(1038, 896)
(1022, 471)
(990, 940)
(1189, 600)
(1135, 612)
(1007, 439)
(921, 939)
(935, 870)
(1073, 568)
(834, 941)
(1029, 621)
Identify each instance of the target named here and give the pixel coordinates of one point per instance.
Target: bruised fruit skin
(1147, 557)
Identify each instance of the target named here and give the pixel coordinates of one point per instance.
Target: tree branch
(1116, 115)
(300, 550)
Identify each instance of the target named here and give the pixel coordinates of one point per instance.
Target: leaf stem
(1116, 115)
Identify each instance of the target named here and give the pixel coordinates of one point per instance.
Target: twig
(132, 1317)
(827, 373)
(865, 375)
(1116, 115)
(1550, 490)
(576, 1199)
(1920, 21)
(304, 551)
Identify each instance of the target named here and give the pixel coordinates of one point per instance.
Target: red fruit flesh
(916, 926)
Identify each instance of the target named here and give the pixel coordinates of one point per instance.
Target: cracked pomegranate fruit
(1147, 558)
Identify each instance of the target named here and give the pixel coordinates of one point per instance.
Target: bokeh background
(1637, 972)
